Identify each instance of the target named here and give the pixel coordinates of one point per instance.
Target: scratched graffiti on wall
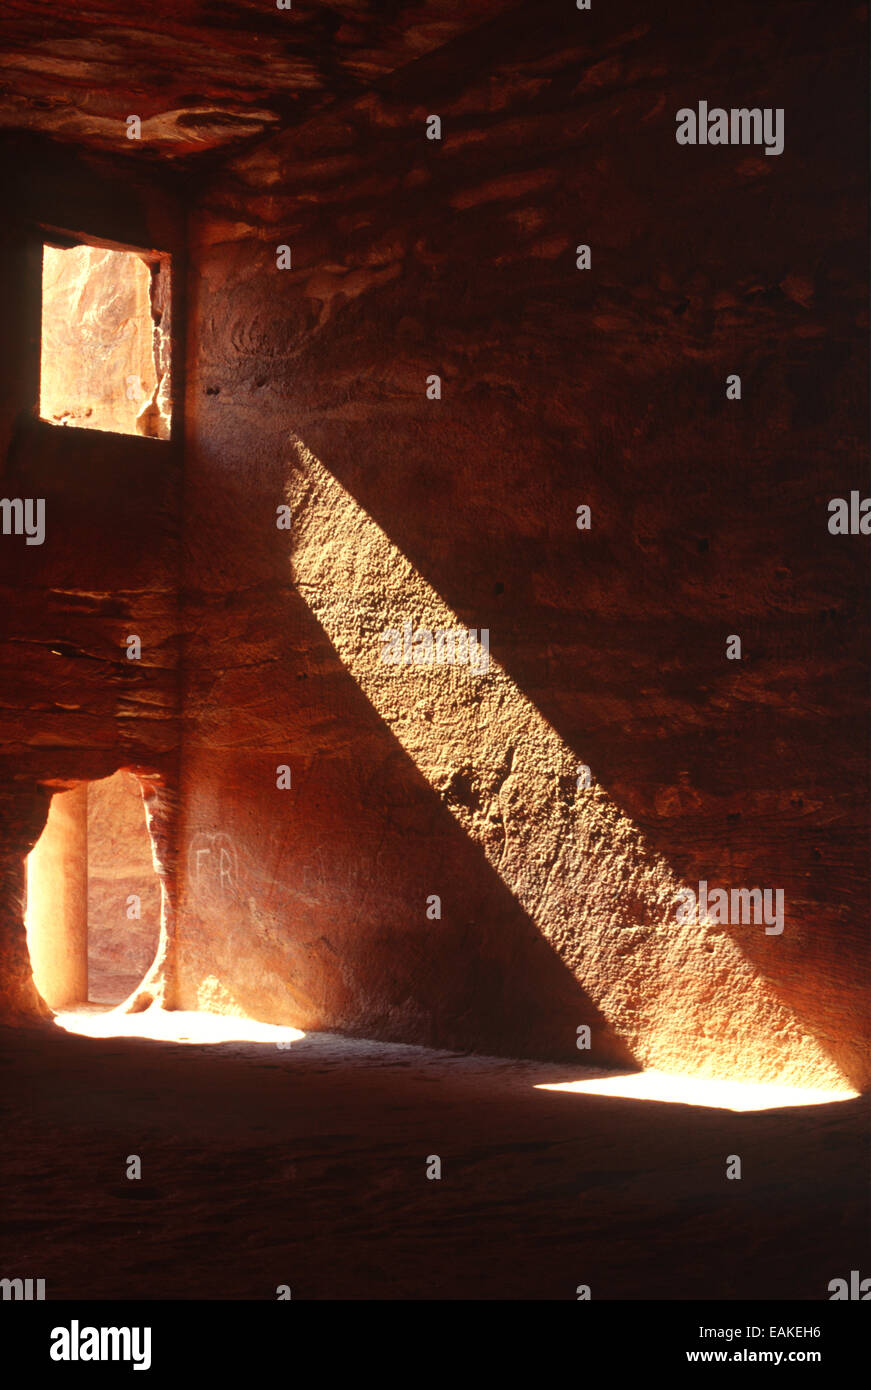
(212, 865)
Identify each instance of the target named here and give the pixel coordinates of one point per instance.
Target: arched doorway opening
(92, 896)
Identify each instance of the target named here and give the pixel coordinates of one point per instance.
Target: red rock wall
(73, 706)
(121, 947)
(560, 387)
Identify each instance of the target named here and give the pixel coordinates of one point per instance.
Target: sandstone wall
(120, 947)
(560, 387)
(73, 706)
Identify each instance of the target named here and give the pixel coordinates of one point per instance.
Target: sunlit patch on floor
(695, 1090)
(180, 1025)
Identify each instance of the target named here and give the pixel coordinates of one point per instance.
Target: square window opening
(105, 341)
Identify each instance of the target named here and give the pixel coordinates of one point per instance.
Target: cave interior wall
(306, 388)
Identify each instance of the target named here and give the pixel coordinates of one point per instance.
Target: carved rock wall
(559, 388)
(120, 947)
(72, 706)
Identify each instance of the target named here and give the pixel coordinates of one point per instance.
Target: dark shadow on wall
(547, 819)
(310, 905)
(604, 387)
(258, 622)
(741, 775)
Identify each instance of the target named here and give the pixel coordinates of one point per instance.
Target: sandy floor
(301, 1160)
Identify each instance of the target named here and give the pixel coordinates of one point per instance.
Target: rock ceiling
(206, 74)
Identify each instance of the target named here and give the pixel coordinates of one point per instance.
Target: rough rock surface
(321, 1184)
(306, 388)
(560, 387)
(73, 707)
(204, 77)
(121, 948)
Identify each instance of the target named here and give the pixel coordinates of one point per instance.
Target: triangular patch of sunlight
(679, 993)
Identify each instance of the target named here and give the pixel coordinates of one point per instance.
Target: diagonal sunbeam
(681, 994)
